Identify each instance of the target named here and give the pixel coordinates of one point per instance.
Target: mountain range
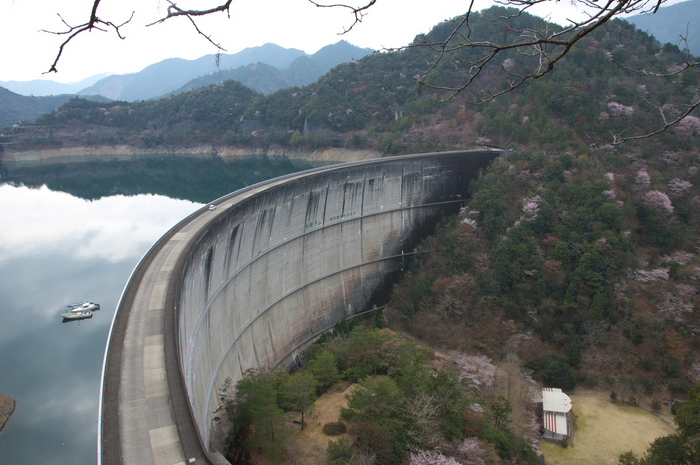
(265, 69)
(671, 22)
(45, 87)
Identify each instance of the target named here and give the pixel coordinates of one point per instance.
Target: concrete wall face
(281, 266)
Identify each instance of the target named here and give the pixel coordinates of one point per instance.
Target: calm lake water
(74, 232)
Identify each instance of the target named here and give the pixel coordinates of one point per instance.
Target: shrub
(646, 362)
(334, 428)
(339, 452)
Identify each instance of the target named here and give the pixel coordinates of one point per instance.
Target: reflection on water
(56, 248)
(196, 179)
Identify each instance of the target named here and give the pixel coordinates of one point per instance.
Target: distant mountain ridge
(671, 22)
(175, 74)
(266, 78)
(45, 87)
(265, 69)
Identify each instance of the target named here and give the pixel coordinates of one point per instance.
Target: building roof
(554, 400)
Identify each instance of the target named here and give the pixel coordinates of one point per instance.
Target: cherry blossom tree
(643, 179)
(658, 199)
(678, 187)
(650, 276)
(425, 457)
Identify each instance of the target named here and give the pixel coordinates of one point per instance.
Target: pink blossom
(643, 178)
(531, 272)
(469, 222)
(679, 187)
(674, 307)
(688, 126)
(696, 273)
(649, 276)
(470, 452)
(531, 208)
(426, 457)
(609, 176)
(476, 408)
(658, 199)
(672, 158)
(604, 115)
(694, 372)
(618, 109)
(476, 368)
(508, 64)
(680, 256)
(610, 194)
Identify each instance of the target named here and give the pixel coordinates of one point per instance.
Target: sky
(27, 52)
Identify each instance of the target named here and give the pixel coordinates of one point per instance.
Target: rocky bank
(126, 153)
(7, 406)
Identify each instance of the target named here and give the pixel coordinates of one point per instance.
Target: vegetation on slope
(406, 408)
(596, 91)
(585, 265)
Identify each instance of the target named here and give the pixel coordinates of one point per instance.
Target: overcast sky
(27, 52)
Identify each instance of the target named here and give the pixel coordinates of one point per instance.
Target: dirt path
(604, 431)
(309, 446)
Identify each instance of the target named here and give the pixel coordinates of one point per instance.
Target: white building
(555, 414)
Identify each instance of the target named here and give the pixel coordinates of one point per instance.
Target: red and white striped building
(555, 413)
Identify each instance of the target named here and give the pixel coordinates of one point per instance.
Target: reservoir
(73, 232)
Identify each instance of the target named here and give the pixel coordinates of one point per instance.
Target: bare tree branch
(358, 12)
(73, 31)
(619, 138)
(175, 11)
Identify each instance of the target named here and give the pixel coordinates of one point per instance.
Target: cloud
(47, 222)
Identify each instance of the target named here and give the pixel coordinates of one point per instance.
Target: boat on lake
(78, 304)
(83, 306)
(77, 314)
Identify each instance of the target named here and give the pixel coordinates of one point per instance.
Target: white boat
(77, 314)
(83, 306)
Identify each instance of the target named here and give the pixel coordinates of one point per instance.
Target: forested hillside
(594, 94)
(15, 107)
(586, 265)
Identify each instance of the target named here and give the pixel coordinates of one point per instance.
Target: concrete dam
(261, 276)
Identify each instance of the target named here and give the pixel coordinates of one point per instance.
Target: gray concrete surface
(251, 284)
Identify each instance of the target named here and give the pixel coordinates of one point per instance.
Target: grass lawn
(604, 431)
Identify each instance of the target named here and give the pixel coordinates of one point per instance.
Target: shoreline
(129, 153)
(7, 407)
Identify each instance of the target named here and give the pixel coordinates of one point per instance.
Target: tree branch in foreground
(73, 31)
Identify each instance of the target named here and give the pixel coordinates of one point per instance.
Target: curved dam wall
(291, 259)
